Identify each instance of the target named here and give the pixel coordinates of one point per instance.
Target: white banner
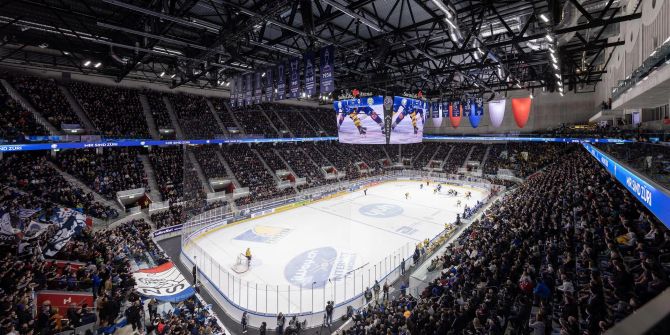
(497, 112)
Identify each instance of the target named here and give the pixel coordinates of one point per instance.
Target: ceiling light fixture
(544, 18)
(549, 38)
(162, 74)
(87, 63)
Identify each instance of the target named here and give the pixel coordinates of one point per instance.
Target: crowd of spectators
(293, 118)
(222, 110)
(195, 118)
(106, 173)
(158, 109)
(301, 164)
(322, 119)
(253, 121)
(341, 157)
(31, 173)
(208, 158)
(283, 129)
(16, 121)
(569, 251)
(47, 98)
(114, 111)
(457, 157)
(420, 158)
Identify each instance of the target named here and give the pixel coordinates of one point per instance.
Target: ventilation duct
(571, 15)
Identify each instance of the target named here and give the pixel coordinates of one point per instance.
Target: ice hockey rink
(326, 250)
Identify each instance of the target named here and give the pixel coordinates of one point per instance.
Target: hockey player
(421, 186)
(404, 110)
(406, 195)
(353, 113)
(365, 191)
(458, 203)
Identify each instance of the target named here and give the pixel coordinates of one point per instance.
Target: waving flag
(521, 110)
(455, 113)
(497, 112)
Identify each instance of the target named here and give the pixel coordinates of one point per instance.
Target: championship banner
(327, 63)
(310, 76)
(233, 94)
(445, 109)
(258, 87)
(294, 77)
(521, 110)
(476, 112)
(240, 91)
(455, 113)
(281, 81)
(248, 89)
(269, 85)
(164, 282)
(435, 109)
(497, 112)
(63, 299)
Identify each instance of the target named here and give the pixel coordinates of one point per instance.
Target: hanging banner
(269, 85)
(310, 76)
(258, 87)
(445, 109)
(70, 223)
(294, 77)
(455, 113)
(281, 81)
(327, 62)
(497, 112)
(240, 91)
(435, 109)
(248, 89)
(521, 110)
(164, 282)
(233, 94)
(476, 112)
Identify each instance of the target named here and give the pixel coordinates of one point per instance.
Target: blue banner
(240, 91)
(445, 109)
(233, 94)
(476, 111)
(310, 75)
(269, 85)
(258, 87)
(327, 62)
(294, 77)
(657, 201)
(248, 89)
(281, 81)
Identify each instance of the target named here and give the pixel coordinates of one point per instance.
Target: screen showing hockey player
(407, 120)
(361, 120)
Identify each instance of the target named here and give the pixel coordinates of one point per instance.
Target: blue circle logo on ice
(381, 210)
(311, 266)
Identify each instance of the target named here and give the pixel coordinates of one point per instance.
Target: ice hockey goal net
(241, 265)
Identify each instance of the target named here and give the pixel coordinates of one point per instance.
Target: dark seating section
(457, 157)
(253, 121)
(209, 161)
(341, 157)
(16, 121)
(47, 98)
(420, 158)
(293, 118)
(301, 164)
(158, 109)
(114, 111)
(31, 173)
(225, 116)
(194, 116)
(106, 173)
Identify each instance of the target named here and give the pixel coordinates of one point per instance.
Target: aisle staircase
(446, 159)
(267, 167)
(216, 117)
(269, 122)
(151, 178)
(232, 116)
(173, 118)
(467, 158)
(229, 171)
(146, 109)
(76, 107)
(39, 118)
(198, 169)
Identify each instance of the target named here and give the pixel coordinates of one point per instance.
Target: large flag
(258, 86)
(281, 80)
(327, 62)
(70, 223)
(497, 112)
(445, 109)
(310, 75)
(164, 282)
(240, 91)
(455, 113)
(294, 77)
(233, 94)
(476, 112)
(521, 110)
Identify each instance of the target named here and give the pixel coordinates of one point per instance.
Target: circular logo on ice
(381, 210)
(312, 266)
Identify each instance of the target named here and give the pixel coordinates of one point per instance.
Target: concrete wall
(548, 110)
(641, 36)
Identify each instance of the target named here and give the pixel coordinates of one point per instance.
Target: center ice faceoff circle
(380, 210)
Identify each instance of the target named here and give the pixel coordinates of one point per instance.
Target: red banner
(63, 299)
(455, 113)
(521, 110)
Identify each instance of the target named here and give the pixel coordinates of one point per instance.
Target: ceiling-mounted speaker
(307, 17)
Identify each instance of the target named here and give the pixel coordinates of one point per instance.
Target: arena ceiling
(439, 46)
